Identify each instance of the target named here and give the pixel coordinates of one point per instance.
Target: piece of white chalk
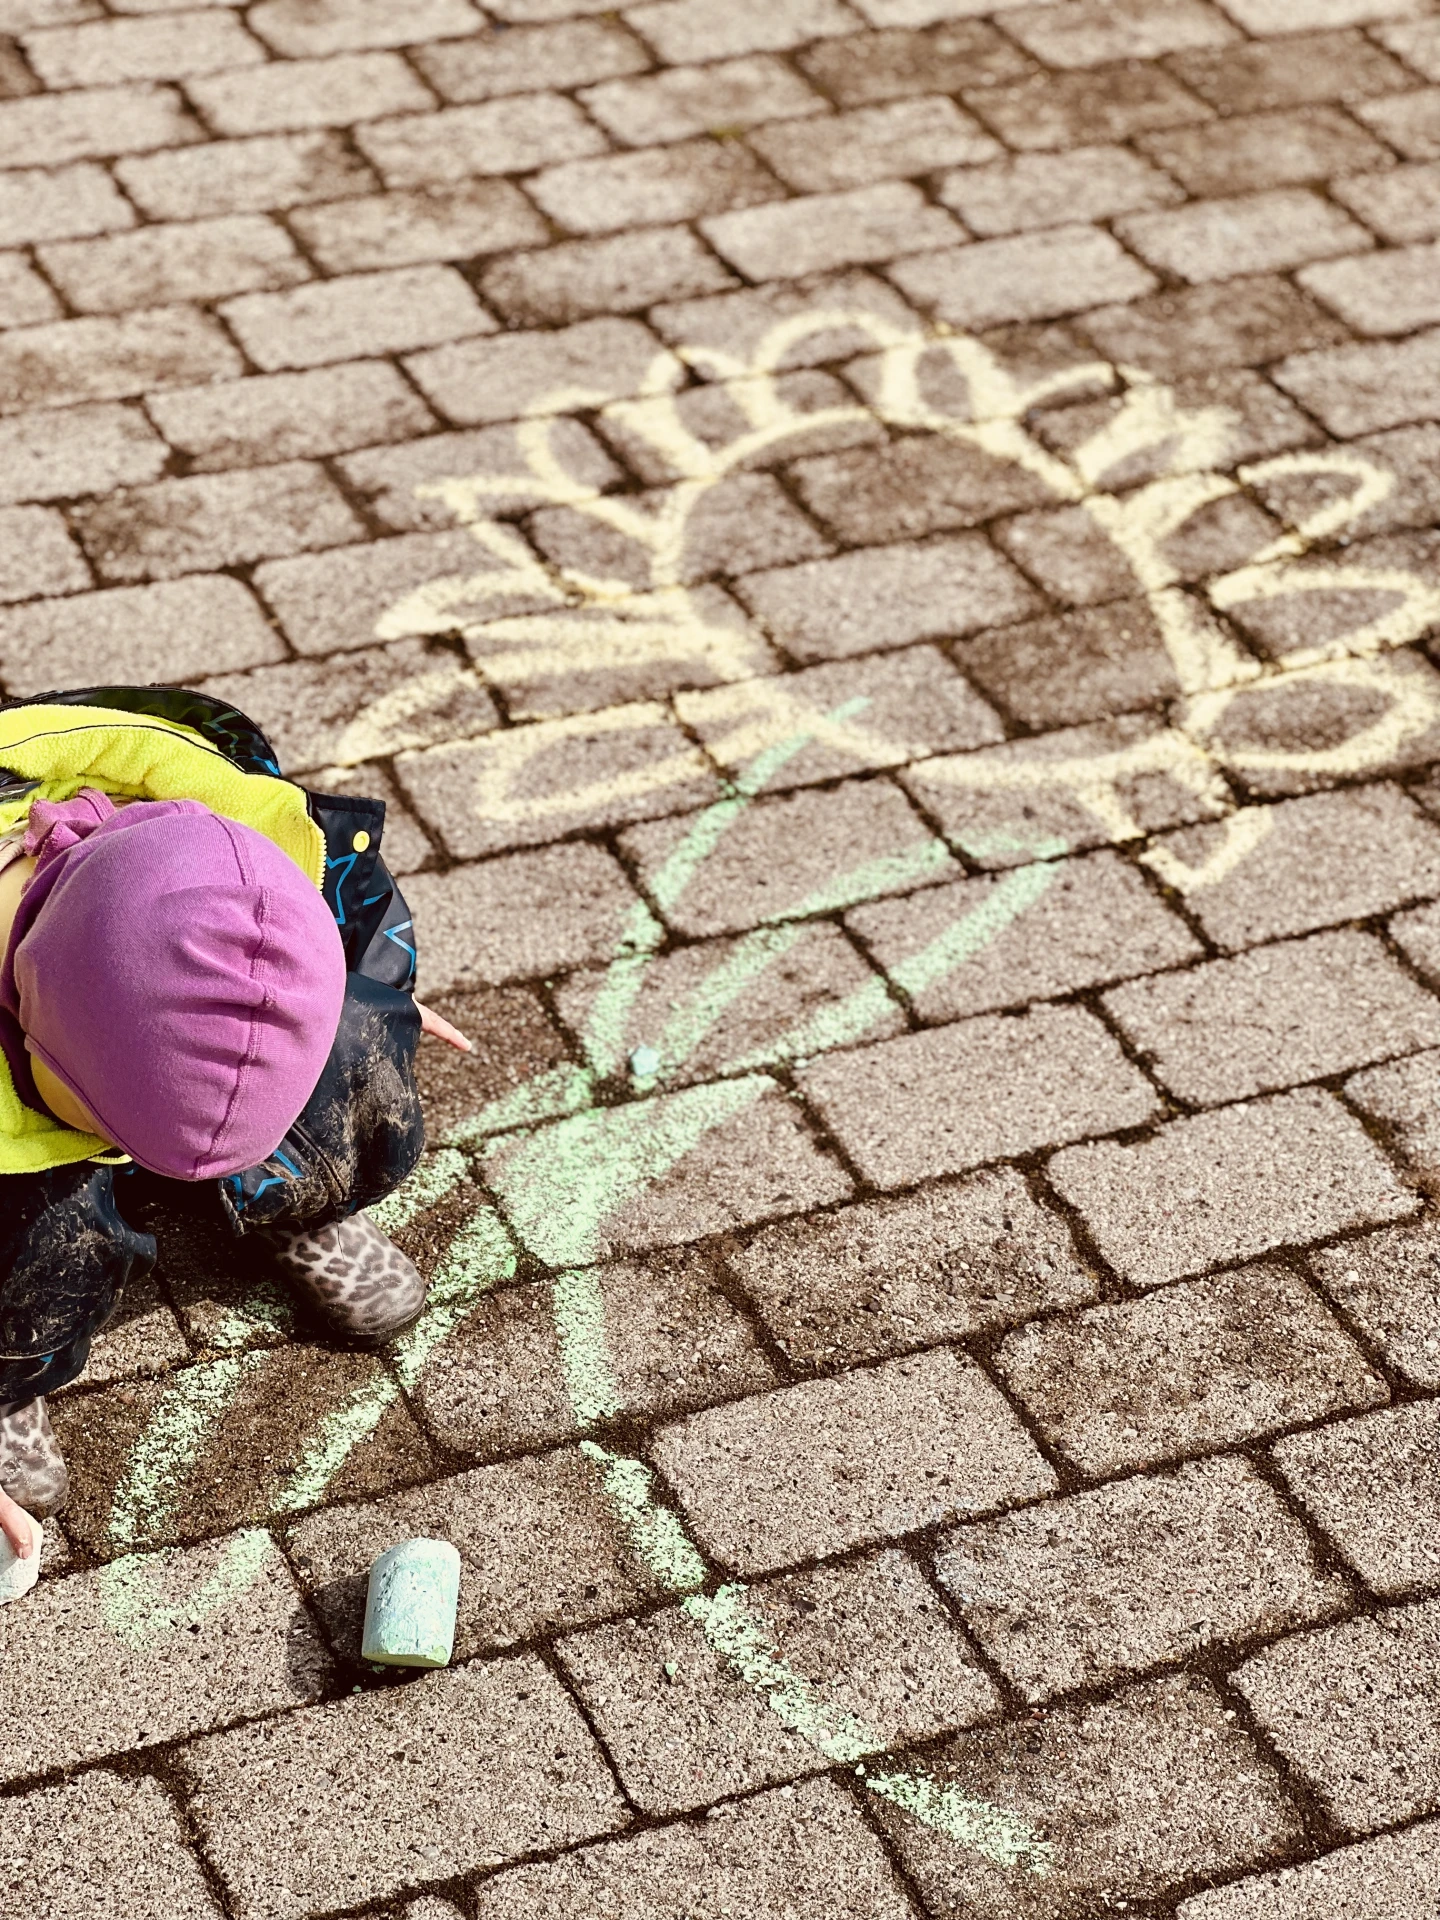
(18, 1576)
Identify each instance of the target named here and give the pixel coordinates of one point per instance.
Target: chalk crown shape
(410, 1606)
(18, 1576)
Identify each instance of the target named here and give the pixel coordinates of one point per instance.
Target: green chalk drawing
(478, 1258)
(561, 1183)
(144, 1619)
(1004, 1838)
(193, 1403)
(655, 1532)
(437, 1175)
(262, 1313)
(336, 1437)
(733, 1631)
(558, 1090)
(584, 1351)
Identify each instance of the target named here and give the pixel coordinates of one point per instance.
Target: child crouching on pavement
(207, 972)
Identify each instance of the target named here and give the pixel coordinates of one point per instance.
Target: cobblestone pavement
(882, 553)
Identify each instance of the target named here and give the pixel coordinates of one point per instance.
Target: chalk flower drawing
(562, 1162)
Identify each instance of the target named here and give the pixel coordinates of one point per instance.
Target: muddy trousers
(67, 1250)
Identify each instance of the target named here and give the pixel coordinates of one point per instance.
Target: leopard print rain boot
(353, 1276)
(32, 1467)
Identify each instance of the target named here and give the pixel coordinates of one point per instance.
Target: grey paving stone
(104, 1848)
(886, 1276)
(542, 1550)
(1414, 41)
(819, 233)
(735, 327)
(793, 855)
(831, 1464)
(1206, 1365)
(742, 524)
(80, 199)
(1211, 1805)
(287, 96)
(1391, 292)
(178, 627)
(289, 416)
(317, 714)
(1365, 851)
(1004, 805)
(676, 1168)
(1051, 929)
(513, 1375)
(897, 140)
(219, 520)
(276, 170)
(393, 480)
(144, 1338)
(1050, 111)
(1373, 1484)
(722, 1005)
(914, 703)
(47, 456)
(1388, 1283)
(359, 314)
(568, 54)
(165, 48)
(1410, 122)
(300, 27)
(1353, 1709)
(24, 297)
(513, 135)
(257, 1440)
(556, 776)
(1256, 233)
(1047, 190)
(110, 359)
(683, 101)
(1275, 1017)
(1091, 33)
(1230, 1185)
(426, 223)
(1069, 668)
(416, 583)
(896, 62)
(793, 1851)
(50, 129)
(1401, 205)
(200, 260)
(514, 1041)
(154, 1648)
(1192, 330)
(690, 30)
(869, 1639)
(887, 597)
(524, 915)
(1267, 150)
(1358, 389)
(37, 555)
(621, 273)
(1082, 1591)
(1390, 1878)
(1029, 277)
(498, 1764)
(682, 182)
(1258, 422)
(1290, 71)
(476, 382)
(904, 1110)
(907, 488)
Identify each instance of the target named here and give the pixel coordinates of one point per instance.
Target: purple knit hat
(179, 974)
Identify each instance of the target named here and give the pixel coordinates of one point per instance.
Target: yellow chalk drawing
(562, 1161)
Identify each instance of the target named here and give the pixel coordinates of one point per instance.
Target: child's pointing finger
(442, 1030)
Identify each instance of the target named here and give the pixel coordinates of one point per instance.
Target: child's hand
(442, 1030)
(17, 1527)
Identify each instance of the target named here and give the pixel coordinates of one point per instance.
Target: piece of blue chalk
(410, 1607)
